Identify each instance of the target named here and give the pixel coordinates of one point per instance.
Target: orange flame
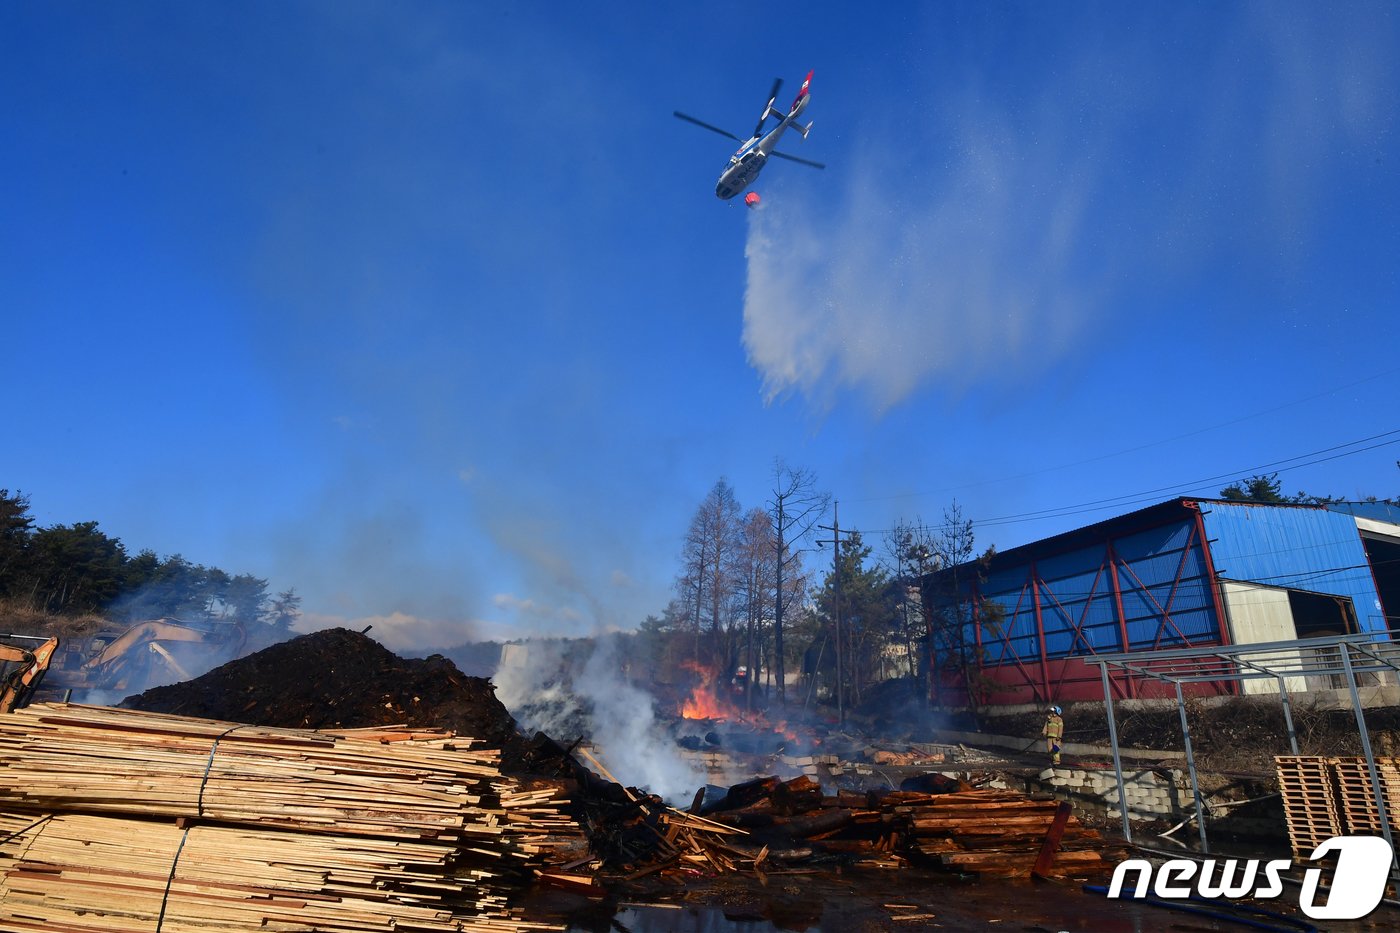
(702, 702)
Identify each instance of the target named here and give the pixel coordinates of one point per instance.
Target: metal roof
(1300, 657)
(1148, 517)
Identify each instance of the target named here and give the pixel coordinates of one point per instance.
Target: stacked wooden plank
(993, 831)
(117, 820)
(964, 829)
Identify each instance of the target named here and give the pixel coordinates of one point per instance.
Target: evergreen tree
(16, 528)
(75, 568)
(865, 610)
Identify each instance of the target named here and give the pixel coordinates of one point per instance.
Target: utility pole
(778, 612)
(835, 542)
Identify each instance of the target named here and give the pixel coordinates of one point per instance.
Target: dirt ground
(1239, 735)
(912, 899)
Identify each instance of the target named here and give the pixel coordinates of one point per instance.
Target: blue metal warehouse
(1179, 574)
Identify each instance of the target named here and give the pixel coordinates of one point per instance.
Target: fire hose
(1291, 924)
(1219, 806)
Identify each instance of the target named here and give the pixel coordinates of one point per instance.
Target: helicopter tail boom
(802, 94)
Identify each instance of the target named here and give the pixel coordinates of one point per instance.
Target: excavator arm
(127, 660)
(20, 683)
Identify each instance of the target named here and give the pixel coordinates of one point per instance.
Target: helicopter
(745, 164)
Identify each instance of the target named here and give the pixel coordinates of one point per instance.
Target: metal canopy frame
(1345, 656)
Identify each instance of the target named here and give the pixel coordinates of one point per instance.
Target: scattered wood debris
(768, 826)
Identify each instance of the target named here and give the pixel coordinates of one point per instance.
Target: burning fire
(781, 727)
(703, 702)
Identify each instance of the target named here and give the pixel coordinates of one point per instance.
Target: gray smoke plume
(568, 689)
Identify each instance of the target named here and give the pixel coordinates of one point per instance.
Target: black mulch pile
(339, 679)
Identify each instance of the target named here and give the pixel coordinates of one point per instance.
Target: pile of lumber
(118, 820)
(961, 829)
(999, 832)
(771, 826)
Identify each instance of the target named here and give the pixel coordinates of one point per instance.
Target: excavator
(113, 661)
(158, 650)
(24, 669)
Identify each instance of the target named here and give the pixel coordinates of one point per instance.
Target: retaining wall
(1150, 795)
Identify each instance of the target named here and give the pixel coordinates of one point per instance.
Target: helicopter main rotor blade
(772, 95)
(712, 129)
(793, 158)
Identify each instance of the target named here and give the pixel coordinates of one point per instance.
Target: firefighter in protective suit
(1054, 732)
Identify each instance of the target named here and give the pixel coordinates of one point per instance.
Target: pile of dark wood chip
(336, 679)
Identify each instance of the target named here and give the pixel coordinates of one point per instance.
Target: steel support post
(1288, 716)
(1191, 768)
(1376, 789)
(1117, 758)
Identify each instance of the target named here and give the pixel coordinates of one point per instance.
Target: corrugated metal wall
(1142, 586)
(1143, 582)
(1318, 550)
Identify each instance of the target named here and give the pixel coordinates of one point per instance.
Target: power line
(1192, 487)
(1140, 447)
(1277, 466)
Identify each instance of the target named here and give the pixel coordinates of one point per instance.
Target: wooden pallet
(1360, 811)
(1310, 804)
(1330, 796)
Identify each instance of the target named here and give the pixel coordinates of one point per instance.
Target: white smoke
(567, 689)
(900, 284)
(997, 225)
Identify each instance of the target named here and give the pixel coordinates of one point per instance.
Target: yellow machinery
(24, 669)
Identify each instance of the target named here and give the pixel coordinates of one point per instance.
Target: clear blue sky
(429, 310)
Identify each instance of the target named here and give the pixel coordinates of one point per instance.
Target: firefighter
(1054, 732)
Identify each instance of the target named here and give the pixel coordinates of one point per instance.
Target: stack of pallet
(1307, 784)
(1361, 813)
(1326, 797)
(117, 820)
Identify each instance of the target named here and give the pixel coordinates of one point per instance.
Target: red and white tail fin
(802, 93)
